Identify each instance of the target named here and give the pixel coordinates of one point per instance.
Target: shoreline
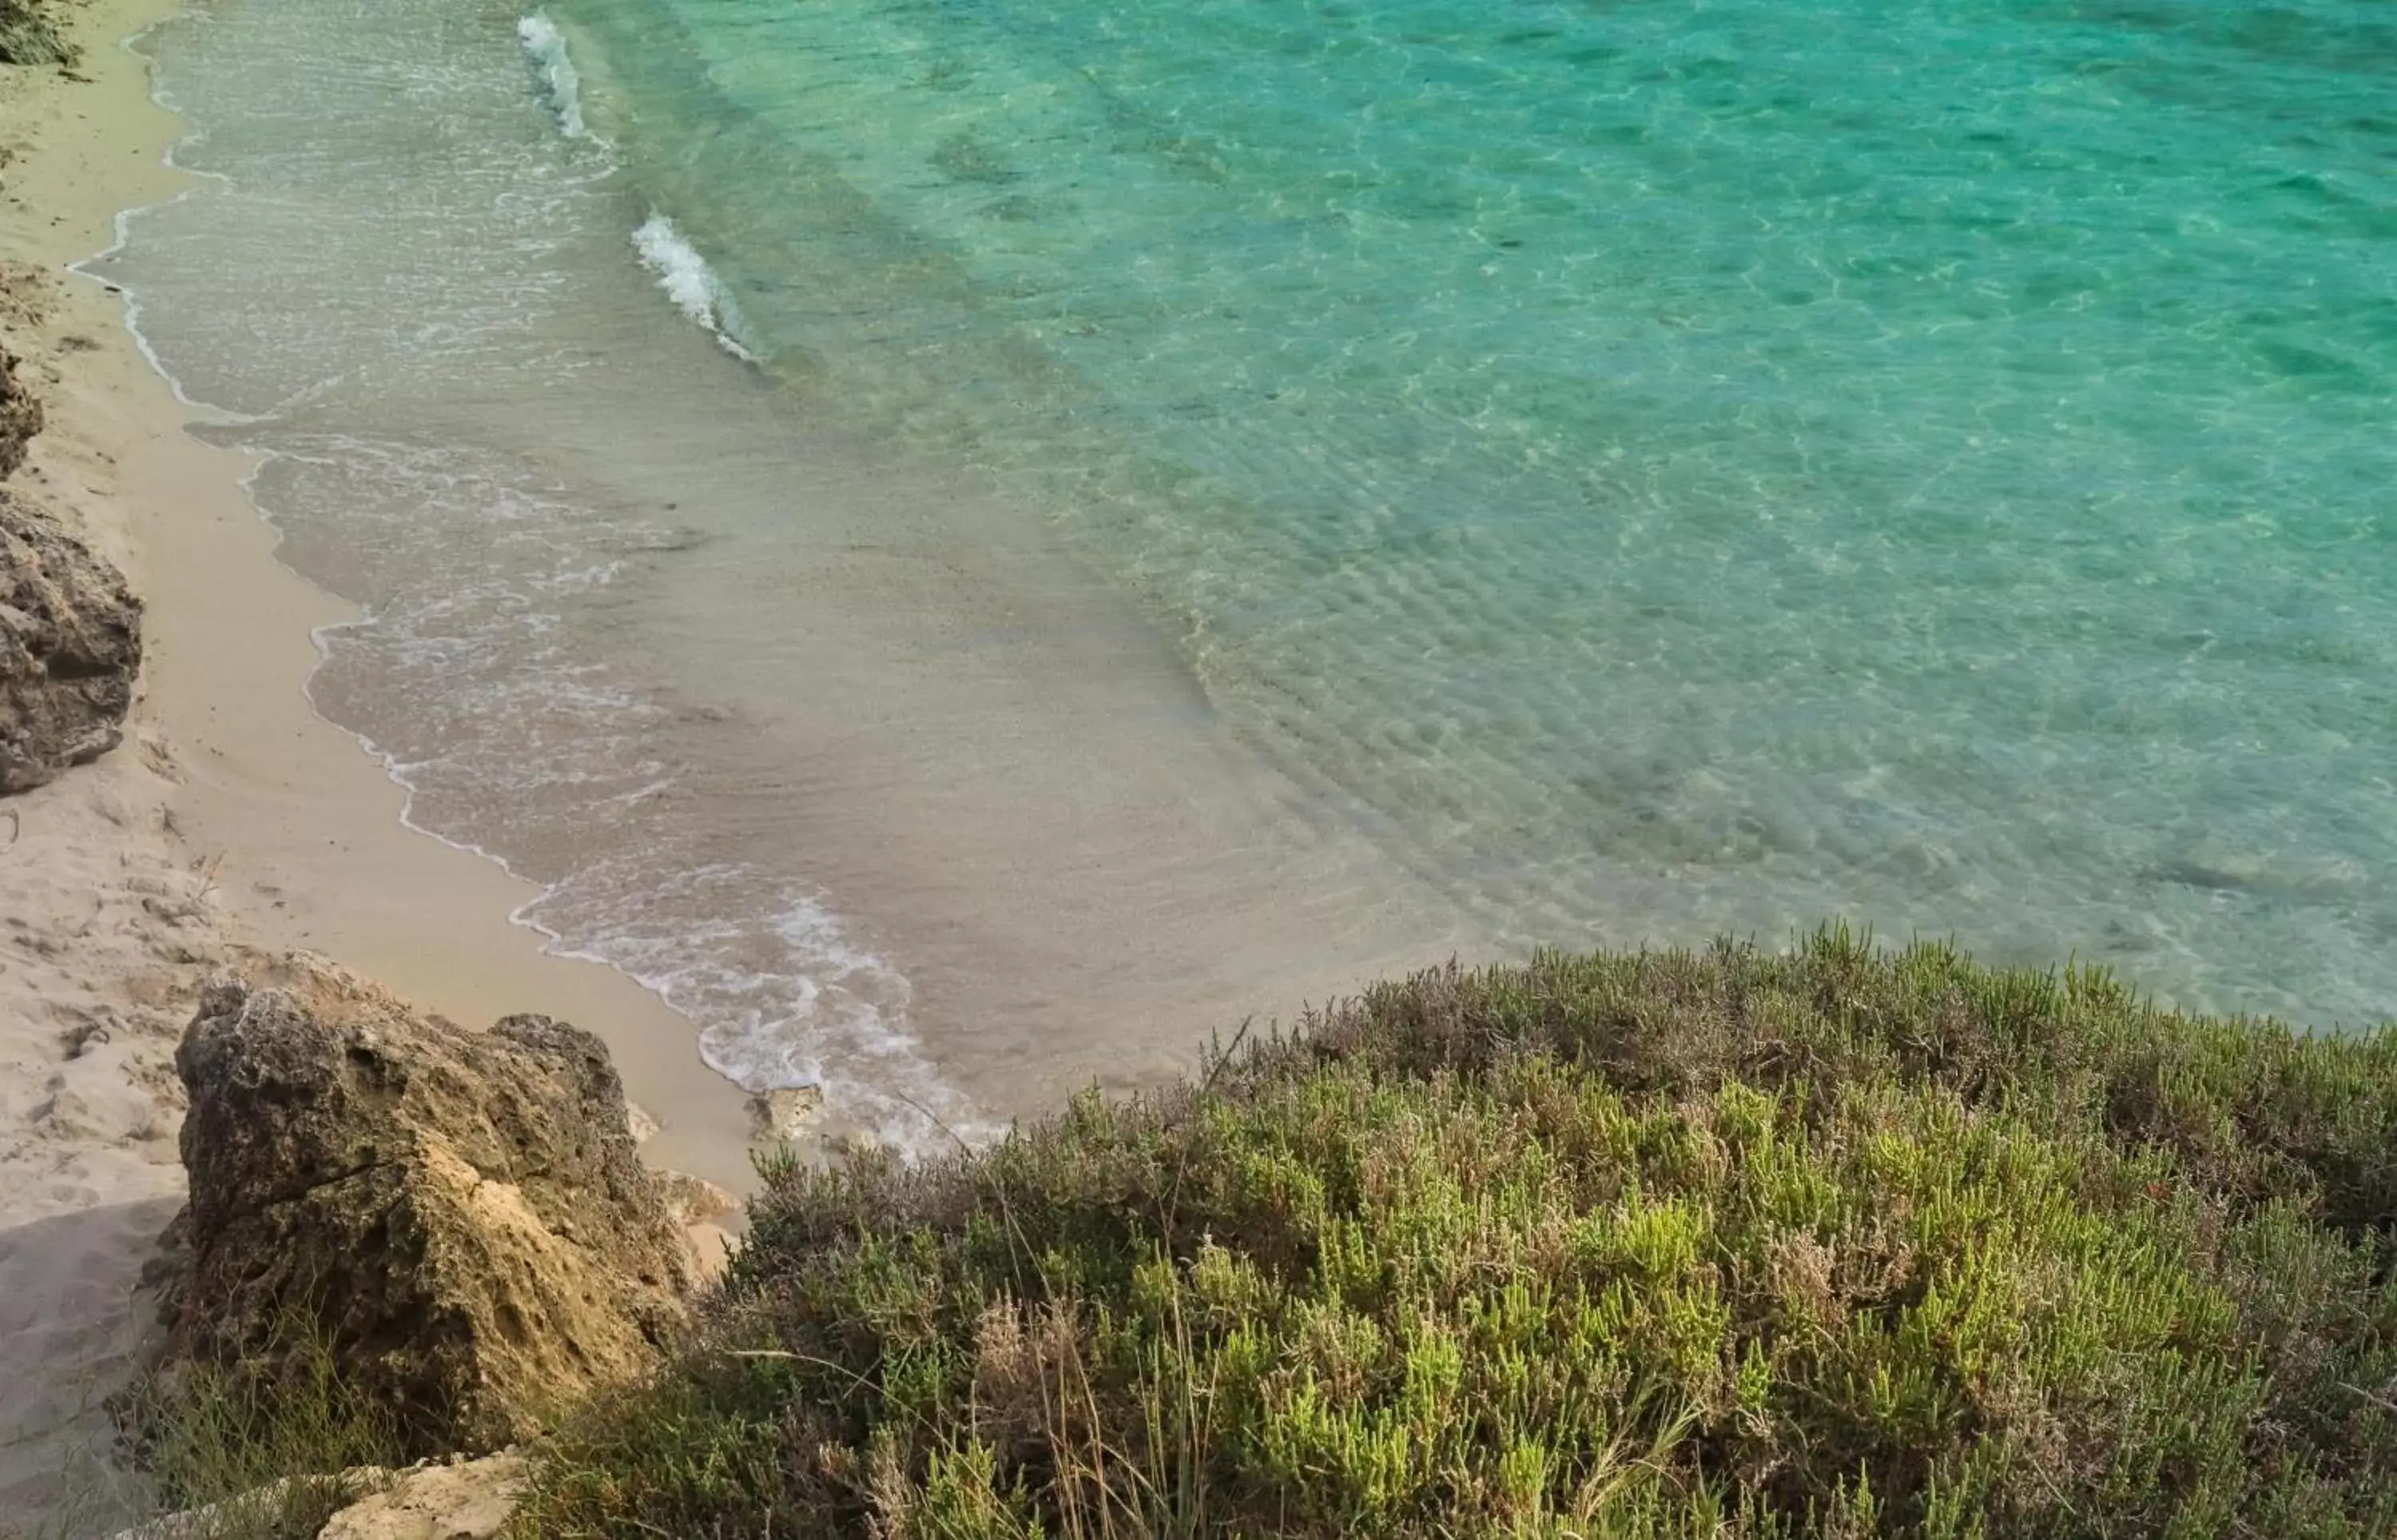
(325, 858)
(239, 821)
(869, 764)
(234, 819)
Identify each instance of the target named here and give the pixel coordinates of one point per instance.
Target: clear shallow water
(408, 294)
(1667, 468)
(1652, 470)
(829, 746)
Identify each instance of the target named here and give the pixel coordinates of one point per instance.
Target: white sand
(234, 819)
(107, 921)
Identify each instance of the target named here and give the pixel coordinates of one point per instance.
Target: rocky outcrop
(28, 35)
(784, 1114)
(70, 647)
(454, 1500)
(459, 1215)
(469, 1501)
(21, 412)
(70, 629)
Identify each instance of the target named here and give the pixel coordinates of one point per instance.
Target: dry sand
(233, 820)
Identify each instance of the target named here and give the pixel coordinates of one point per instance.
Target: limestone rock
(70, 629)
(454, 1500)
(29, 35)
(784, 1114)
(468, 1501)
(460, 1214)
(70, 647)
(694, 1199)
(21, 411)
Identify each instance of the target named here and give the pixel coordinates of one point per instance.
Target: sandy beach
(232, 822)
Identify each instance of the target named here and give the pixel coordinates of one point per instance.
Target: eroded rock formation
(457, 1216)
(29, 35)
(784, 1114)
(20, 415)
(70, 629)
(452, 1500)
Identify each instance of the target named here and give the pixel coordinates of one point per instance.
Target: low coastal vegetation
(1840, 1242)
(265, 1449)
(258, 1457)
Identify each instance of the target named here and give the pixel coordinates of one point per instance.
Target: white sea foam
(547, 45)
(781, 994)
(690, 283)
(495, 725)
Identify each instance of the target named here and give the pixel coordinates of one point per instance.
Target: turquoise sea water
(1666, 467)
(1602, 474)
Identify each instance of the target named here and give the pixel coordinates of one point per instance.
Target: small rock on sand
(468, 1501)
(784, 1115)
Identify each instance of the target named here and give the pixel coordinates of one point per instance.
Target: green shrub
(1840, 1242)
(259, 1456)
